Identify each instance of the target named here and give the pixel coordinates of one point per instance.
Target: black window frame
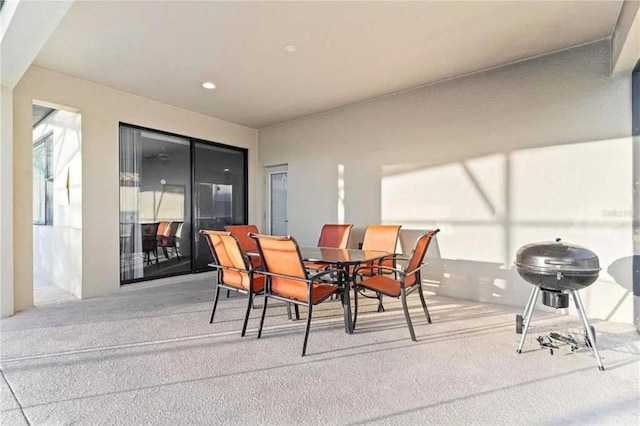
(635, 131)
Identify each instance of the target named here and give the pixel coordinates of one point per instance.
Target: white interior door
(276, 182)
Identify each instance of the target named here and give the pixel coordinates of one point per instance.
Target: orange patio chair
(335, 235)
(288, 279)
(406, 281)
(332, 236)
(382, 238)
(235, 270)
(247, 244)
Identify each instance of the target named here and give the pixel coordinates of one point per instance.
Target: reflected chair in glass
(382, 238)
(170, 238)
(288, 279)
(148, 232)
(162, 228)
(405, 281)
(235, 270)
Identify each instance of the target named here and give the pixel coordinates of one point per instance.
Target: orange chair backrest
(241, 232)
(383, 238)
(417, 256)
(227, 253)
(280, 255)
(334, 235)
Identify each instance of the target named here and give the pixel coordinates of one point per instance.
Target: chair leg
(264, 310)
(166, 254)
(380, 307)
(355, 308)
(215, 304)
(227, 294)
(246, 315)
(403, 297)
(175, 248)
(296, 310)
(424, 304)
(306, 332)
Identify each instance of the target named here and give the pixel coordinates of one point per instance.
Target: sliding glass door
(168, 184)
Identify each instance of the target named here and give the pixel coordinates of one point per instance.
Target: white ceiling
(346, 52)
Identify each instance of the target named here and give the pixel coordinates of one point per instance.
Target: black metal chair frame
(220, 285)
(379, 267)
(403, 294)
(309, 280)
(401, 274)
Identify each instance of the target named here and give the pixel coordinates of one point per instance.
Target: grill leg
(528, 313)
(585, 322)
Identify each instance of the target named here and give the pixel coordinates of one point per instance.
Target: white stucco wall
(102, 109)
(57, 248)
(523, 153)
(6, 193)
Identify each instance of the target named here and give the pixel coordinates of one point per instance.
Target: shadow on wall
(490, 206)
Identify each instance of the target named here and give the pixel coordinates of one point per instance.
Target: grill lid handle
(559, 261)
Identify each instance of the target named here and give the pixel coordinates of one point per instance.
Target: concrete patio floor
(148, 355)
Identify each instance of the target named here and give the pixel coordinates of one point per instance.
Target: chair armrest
(327, 272)
(390, 256)
(229, 268)
(422, 266)
(289, 277)
(382, 268)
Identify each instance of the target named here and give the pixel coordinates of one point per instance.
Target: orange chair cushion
(240, 280)
(383, 284)
(299, 290)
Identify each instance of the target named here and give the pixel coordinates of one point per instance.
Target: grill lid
(556, 256)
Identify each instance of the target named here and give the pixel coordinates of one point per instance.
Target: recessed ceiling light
(290, 48)
(226, 170)
(208, 85)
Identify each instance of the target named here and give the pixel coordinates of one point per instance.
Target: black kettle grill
(558, 269)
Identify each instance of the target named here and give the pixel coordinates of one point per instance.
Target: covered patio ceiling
(277, 61)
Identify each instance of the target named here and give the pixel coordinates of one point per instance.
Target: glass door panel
(155, 204)
(277, 200)
(220, 183)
